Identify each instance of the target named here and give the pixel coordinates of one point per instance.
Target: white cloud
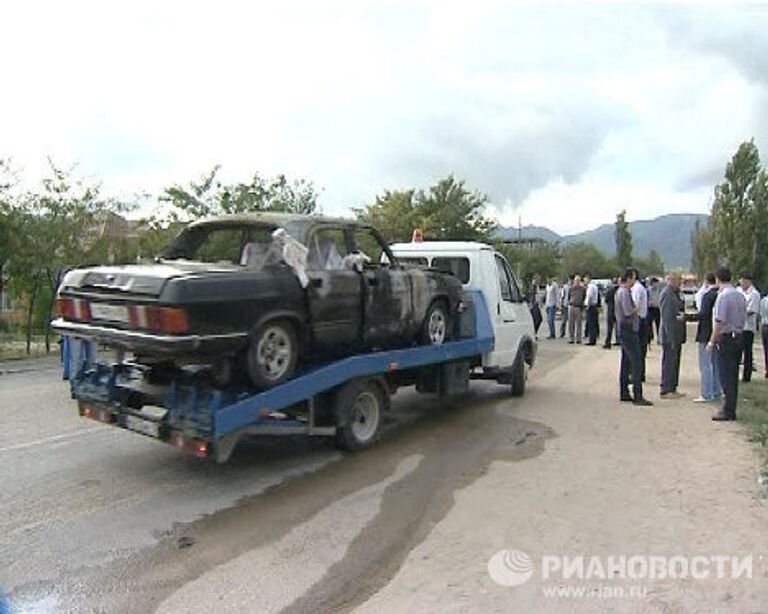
(550, 108)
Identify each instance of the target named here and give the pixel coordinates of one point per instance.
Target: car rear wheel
(272, 354)
(436, 327)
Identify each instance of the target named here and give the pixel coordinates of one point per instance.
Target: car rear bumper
(154, 343)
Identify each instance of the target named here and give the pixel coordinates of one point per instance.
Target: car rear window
(213, 244)
(459, 266)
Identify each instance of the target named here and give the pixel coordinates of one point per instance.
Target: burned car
(257, 295)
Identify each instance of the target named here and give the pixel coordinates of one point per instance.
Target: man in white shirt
(752, 296)
(591, 303)
(640, 298)
(697, 298)
(551, 299)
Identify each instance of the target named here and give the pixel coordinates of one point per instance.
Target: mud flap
(224, 446)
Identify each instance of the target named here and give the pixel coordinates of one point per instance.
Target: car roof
(276, 219)
(440, 246)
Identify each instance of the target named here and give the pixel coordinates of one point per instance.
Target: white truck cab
(480, 267)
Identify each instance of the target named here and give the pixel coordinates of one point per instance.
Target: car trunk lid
(142, 280)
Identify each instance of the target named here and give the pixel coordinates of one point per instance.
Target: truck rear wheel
(359, 408)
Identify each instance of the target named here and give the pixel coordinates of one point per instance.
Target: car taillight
(174, 320)
(161, 319)
(73, 308)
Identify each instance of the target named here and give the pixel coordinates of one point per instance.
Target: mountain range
(669, 235)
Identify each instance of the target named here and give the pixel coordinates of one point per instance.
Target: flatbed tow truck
(345, 399)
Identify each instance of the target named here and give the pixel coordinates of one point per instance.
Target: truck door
(387, 311)
(335, 293)
(511, 318)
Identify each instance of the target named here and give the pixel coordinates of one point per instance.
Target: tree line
(736, 233)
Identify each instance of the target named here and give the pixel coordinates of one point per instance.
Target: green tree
(56, 228)
(7, 214)
(738, 225)
(651, 265)
(584, 258)
(623, 240)
(446, 211)
(394, 214)
(450, 211)
(703, 252)
(209, 196)
(540, 258)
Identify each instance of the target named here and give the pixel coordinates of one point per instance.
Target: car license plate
(113, 313)
(145, 427)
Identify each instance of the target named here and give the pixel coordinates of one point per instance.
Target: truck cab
(480, 267)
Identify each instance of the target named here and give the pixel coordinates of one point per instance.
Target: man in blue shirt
(730, 313)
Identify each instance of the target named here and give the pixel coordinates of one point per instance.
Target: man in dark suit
(672, 335)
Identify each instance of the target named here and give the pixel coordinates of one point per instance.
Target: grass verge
(753, 411)
(13, 347)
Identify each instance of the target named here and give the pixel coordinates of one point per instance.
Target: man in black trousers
(629, 325)
(593, 306)
(730, 315)
(672, 335)
(752, 297)
(640, 298)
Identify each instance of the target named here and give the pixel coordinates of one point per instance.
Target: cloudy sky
(562, 113)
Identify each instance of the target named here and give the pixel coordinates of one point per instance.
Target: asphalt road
(97, 519)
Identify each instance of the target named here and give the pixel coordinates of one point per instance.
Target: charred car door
(387, 308)
(334, 293)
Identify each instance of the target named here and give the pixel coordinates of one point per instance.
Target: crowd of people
(638, 310)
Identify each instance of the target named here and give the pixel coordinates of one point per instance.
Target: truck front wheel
(519, 377)
(359, 408)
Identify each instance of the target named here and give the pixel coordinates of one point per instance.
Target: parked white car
(480, 267)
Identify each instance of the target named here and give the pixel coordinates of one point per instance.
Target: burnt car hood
(144, 279)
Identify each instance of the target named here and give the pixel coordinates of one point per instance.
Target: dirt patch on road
(618, 480)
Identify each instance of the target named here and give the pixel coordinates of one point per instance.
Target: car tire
(519, 377)
(436, 328)
(272, 354)
(359, 408)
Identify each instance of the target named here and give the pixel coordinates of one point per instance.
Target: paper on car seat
(294, 254)
(356, 261)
